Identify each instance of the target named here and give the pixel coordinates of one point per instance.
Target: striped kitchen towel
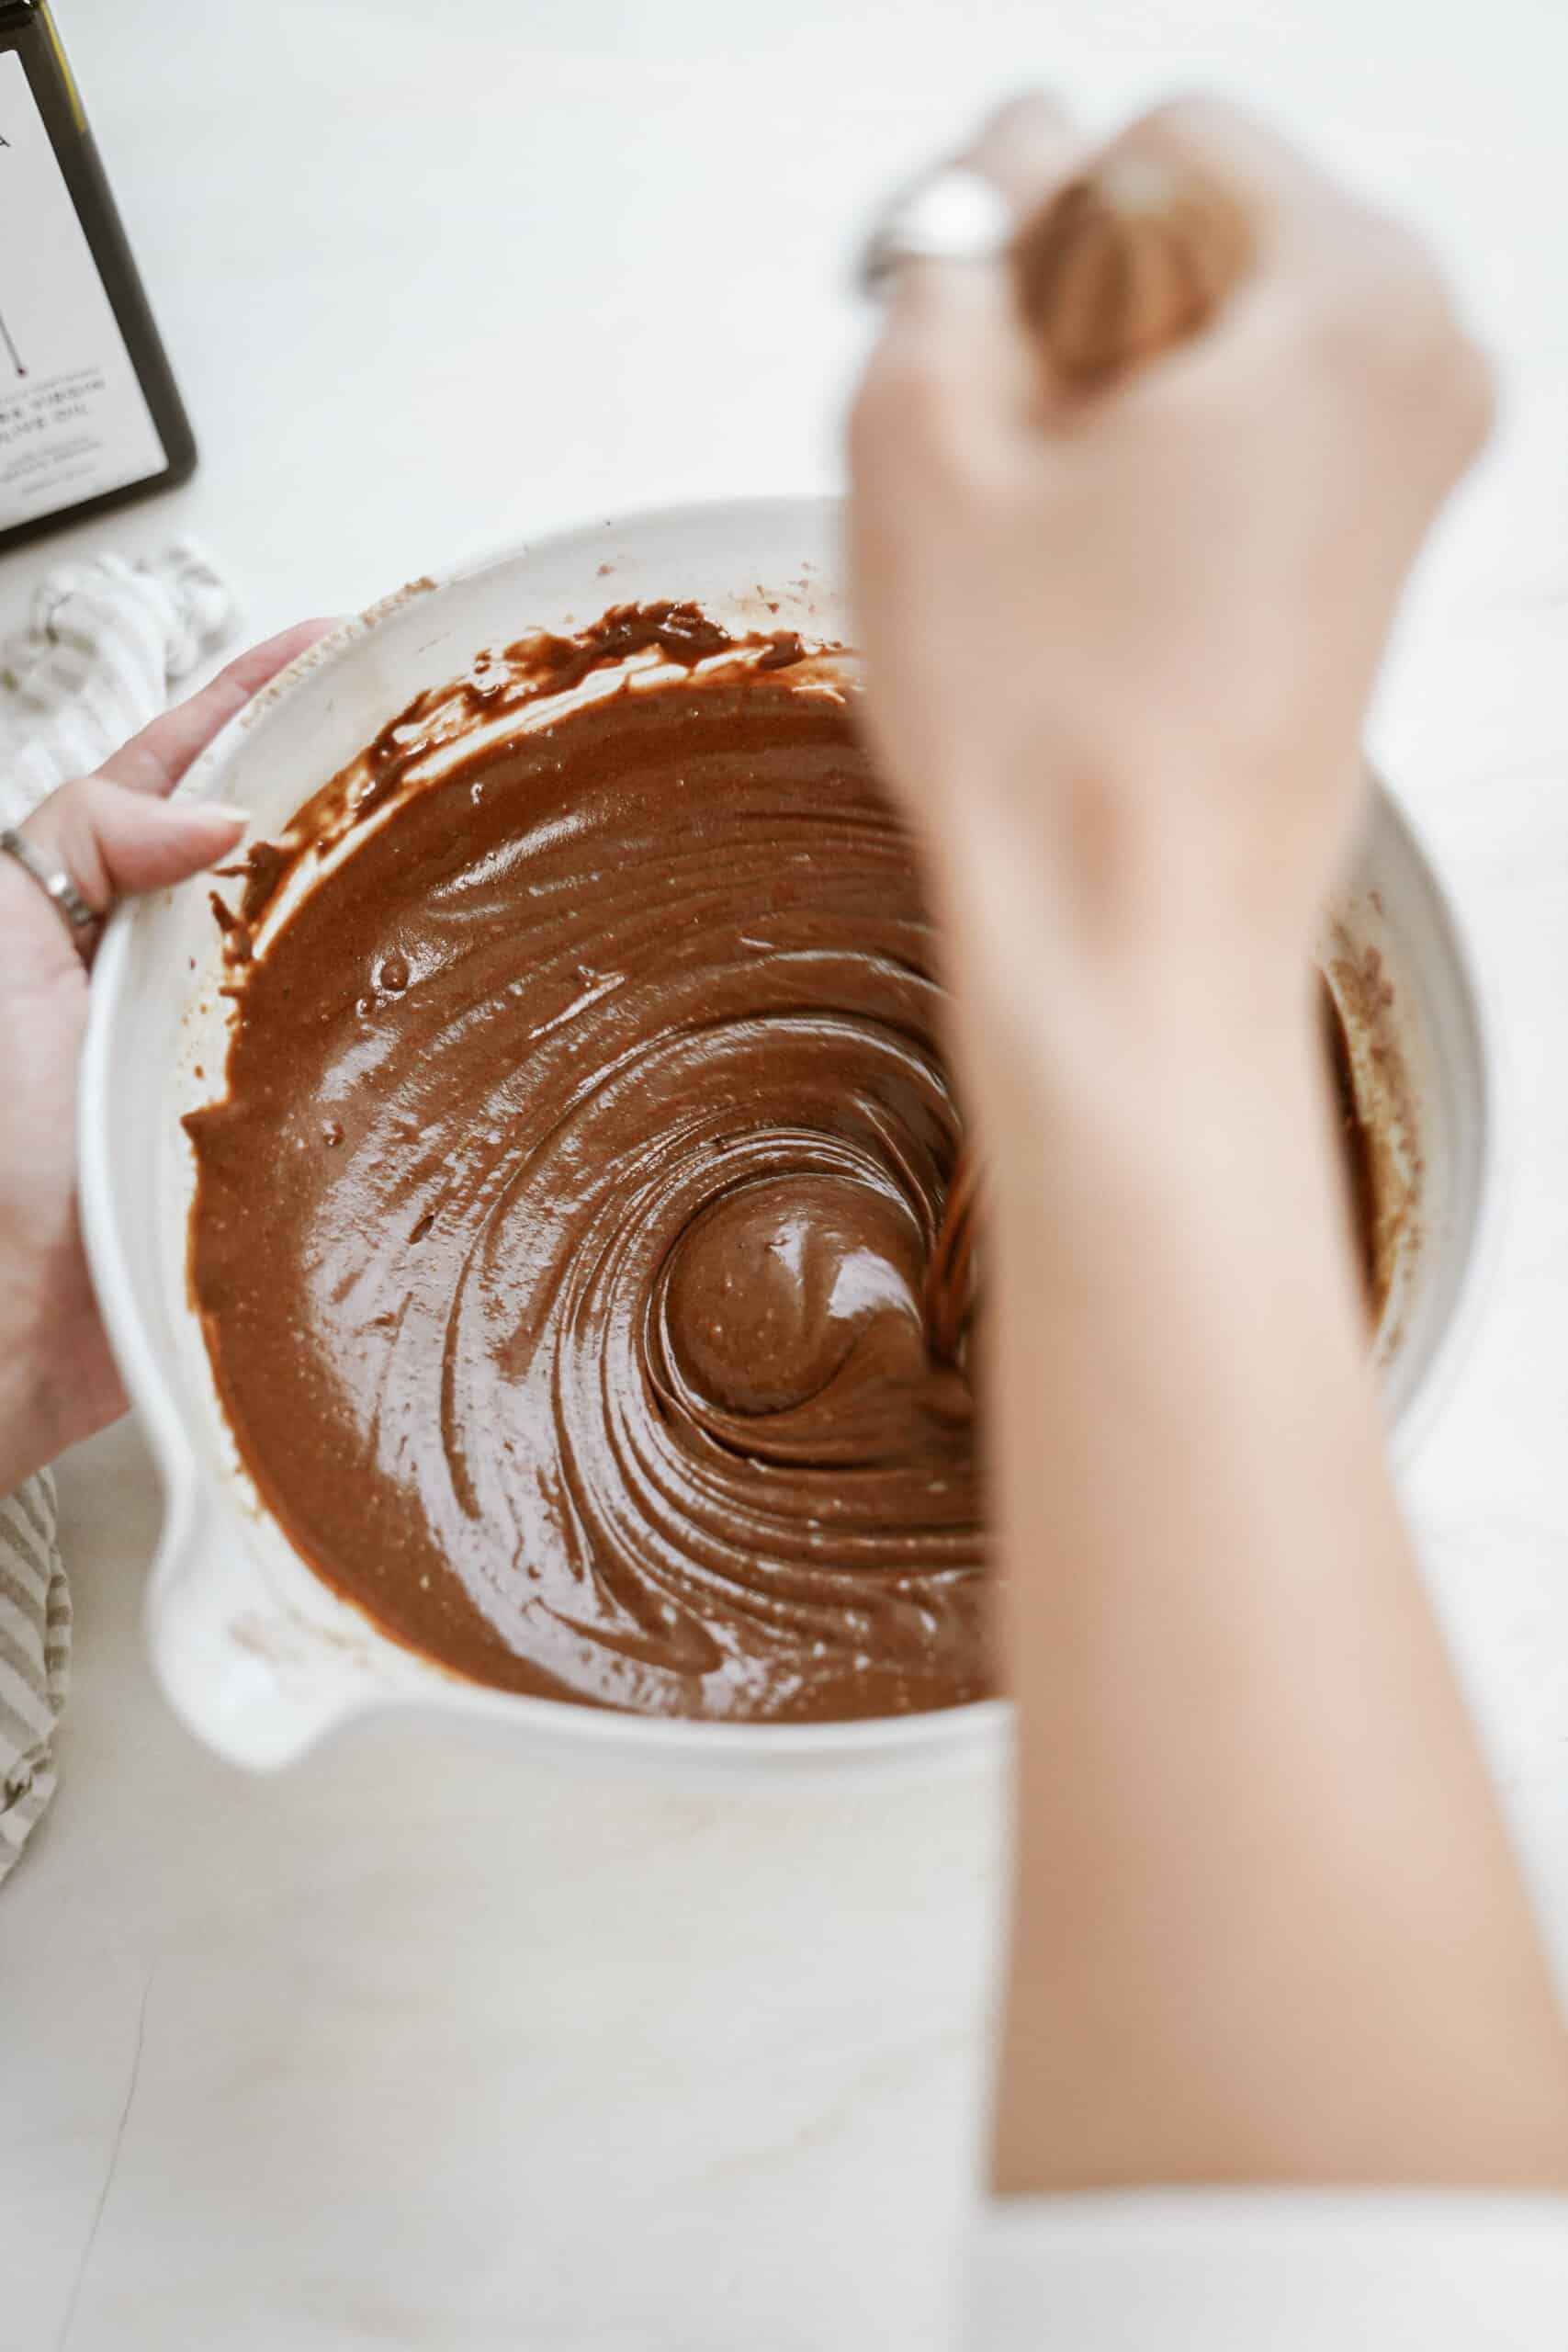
(105, 641)
(35, 1659)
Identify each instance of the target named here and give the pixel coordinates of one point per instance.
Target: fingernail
(221, 808)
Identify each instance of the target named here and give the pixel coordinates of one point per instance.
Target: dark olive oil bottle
(89, 415)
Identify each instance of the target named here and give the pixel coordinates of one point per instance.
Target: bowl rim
(1472, 1282)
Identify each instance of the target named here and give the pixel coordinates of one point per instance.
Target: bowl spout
(240, 1671)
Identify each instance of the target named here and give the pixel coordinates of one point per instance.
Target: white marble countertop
(681, 2069)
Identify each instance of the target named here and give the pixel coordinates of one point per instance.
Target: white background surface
(698, 2071)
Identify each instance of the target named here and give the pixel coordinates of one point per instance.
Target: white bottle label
(73, 419)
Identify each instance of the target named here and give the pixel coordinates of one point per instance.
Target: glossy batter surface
(560, 1240)
(561, 1237)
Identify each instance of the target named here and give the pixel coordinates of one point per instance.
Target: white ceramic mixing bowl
(254, 1653)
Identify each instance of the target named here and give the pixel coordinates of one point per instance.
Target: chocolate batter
(560, 1240)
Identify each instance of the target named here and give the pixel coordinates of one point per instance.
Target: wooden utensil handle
(1126, 261)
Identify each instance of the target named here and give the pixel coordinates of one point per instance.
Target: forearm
(33, 1429)
(1268, 1924)
(54, 1389)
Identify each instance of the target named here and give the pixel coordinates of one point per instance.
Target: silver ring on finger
(58, 888)
(949, 214)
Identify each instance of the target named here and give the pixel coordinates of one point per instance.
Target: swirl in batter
(559, 1239)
